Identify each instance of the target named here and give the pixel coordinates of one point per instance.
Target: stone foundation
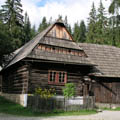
(17, 98)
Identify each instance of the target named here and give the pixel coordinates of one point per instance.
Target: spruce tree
(27, 29)
(82, 32)
(50, 21)
(66, 21)
(68, 26)
(70, 29)
(33, 31)
(114, 7)
(11, 15)
(91, 34)
(43, 25)
(101, 25)
(5, 43)
(115, 28)
(76, 32)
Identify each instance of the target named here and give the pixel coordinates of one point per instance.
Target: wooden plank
(59, 32)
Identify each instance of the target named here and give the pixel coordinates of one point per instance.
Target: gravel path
(105, 115)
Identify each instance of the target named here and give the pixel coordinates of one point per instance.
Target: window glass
(52, 76)
(61, 77)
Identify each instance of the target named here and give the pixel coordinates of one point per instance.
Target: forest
(16, 28)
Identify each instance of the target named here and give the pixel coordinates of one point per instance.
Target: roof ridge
(97, 44)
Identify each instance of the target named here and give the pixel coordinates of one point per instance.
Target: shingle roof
(60, 43)
(25, 50)
(107, 58)
(63, 58)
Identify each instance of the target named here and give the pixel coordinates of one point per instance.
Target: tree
(70, 29)
(115, 26)
(27, 29)
(11, 15)
(68, 26)
(66, 21)
(5, 43)
(114, 31)
(114, 6)
(33, 31)
(43, 25)
(91, 34)
(101, 25)
(82, 36)
(50, 21)
(76, 32)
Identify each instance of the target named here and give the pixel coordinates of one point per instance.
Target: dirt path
(105, 115)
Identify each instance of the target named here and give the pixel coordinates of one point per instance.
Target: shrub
(69, 90)
(45, 93)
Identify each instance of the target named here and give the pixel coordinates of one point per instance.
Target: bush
(69, 90)
(45, 93)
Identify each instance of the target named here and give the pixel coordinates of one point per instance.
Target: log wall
(15, 80)
(39, 77)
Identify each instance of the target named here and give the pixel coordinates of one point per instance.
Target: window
(52, 76)
(61, 77)
(57, 77)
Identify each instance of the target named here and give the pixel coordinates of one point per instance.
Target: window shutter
(65, 77)
(57, 77)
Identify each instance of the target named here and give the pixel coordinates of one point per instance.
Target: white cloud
(76, 10)
(2, 2)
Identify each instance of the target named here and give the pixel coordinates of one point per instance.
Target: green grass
(9, 107)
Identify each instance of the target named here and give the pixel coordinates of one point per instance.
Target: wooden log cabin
(106, 77)
(50, 60)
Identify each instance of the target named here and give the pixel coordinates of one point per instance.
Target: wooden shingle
(107, 58)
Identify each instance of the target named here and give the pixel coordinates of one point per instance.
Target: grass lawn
(9, 107)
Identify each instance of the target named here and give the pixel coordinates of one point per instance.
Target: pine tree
(66, 21)
(43, 25)
(76, 34)
(11, 15)
(68, 26)
(27, 29)
(115, 28)
(114, 6)
(70, 29)
(101, 25)
(91, 34)
(82, 32)
(5, 43)
(33, 31)
(50, 21)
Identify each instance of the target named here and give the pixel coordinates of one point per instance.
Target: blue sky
(76, 10)
(41, 3)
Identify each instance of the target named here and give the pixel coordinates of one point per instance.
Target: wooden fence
(60, 103)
